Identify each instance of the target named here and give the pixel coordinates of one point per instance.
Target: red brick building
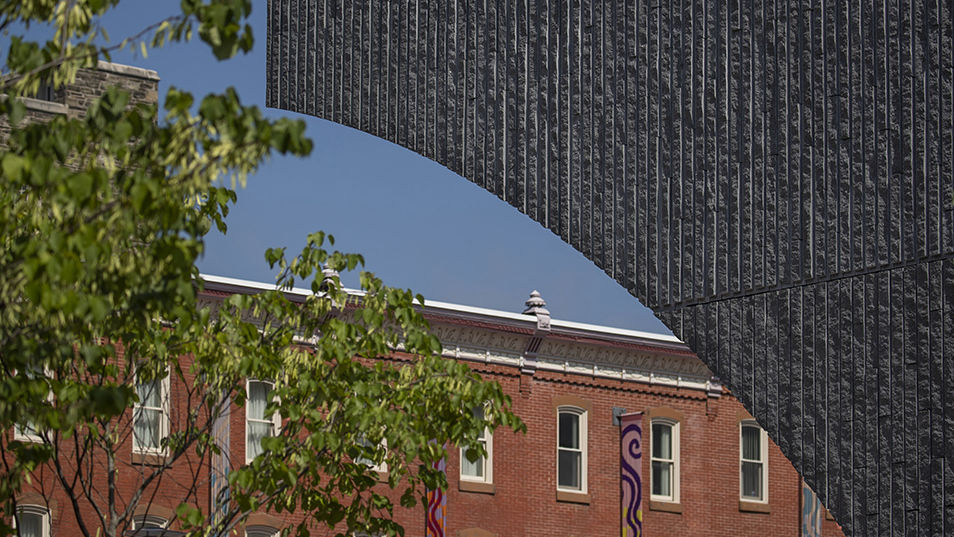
(552, 368)
(706, 468)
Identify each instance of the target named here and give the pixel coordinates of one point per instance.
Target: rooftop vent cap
(328, 276)
(536, 305)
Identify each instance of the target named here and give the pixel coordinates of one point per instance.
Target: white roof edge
(616, 331)
(128, 70)
(467, 310)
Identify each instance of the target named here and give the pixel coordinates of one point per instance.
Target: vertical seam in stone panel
(498, 132)
(642, 158)
(562, 113)
(309, 38)
(339, 110)
(599, 209)
(286, 64)
(654, 158)
(418, 139)
(354, 85)
(573, 225)
(669, 166)
(751, 210)
(481, 95)
(460, 72)
(707, 274)
(365, 72)
(629, 147)
(511, 184)
(432, 98)
(733, 146)
(295, 94)
(541, 73)
(326, 73)
(271, 56)
(717, 286)
(290, 34)
(525, 114)
(353, 91)
(585, 179)
(797, 233)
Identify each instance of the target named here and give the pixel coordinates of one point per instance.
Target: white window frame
(21, 432)
(487, 439)
(163, 421)
(674, 486)
(581, 413)
(381, 467)
(763, 460)
(275, 421)
(39, 510)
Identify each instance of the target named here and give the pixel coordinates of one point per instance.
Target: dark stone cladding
(773, 179)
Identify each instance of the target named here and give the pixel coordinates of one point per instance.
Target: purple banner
(631, 473)
(436, 507)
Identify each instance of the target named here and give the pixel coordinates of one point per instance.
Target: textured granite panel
(774, 179)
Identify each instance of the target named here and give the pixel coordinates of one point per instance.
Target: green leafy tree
(103, 219)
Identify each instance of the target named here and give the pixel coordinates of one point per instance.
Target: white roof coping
(469, 311)
(128, 70)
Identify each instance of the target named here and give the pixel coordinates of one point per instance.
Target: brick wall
(524, 501)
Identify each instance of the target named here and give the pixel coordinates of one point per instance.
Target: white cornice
(500, 337)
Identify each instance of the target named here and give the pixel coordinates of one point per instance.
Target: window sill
(49, 107)
(148, 459)
(668, 507)
(754, 507)
(476, 486)
(572, 497)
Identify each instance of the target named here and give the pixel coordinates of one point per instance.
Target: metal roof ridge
(477, 311)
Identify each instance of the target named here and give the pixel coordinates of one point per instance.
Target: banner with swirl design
(631, 473)
(436, 507)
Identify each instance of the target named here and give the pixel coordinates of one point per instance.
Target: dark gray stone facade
(774, 179)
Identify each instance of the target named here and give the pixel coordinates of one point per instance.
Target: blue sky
(417, 224)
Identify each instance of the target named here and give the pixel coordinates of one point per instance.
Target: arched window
(32, 521)
(753, 462)
(149, 521)
(571, 449)
(664, 451)
(260, 531)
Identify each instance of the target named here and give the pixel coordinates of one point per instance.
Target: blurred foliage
(103, 219)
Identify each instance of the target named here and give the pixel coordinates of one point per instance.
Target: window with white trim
(257, 425)
(571, 449)
(27, 431)
(151, 416)
(753, 462)
(664, 454)
(480, 470)
(381, 467)
(32, 521)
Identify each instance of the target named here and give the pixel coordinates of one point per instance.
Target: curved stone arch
(774, 182)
